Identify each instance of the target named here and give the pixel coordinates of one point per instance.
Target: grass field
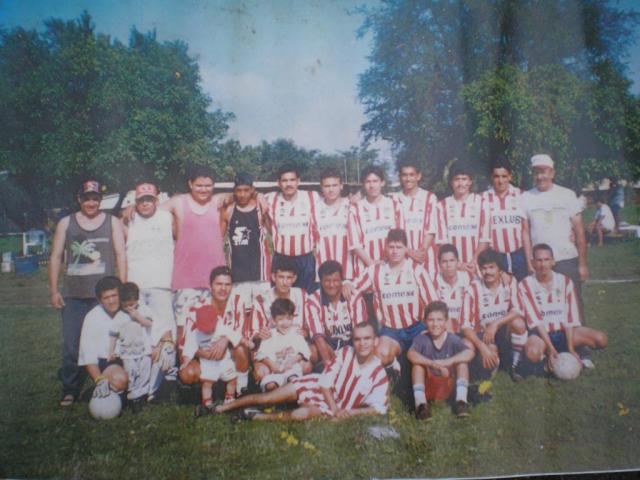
(539, 426)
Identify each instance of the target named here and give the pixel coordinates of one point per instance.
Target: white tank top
(150, 251)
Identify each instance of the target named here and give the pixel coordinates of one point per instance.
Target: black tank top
(244, 238)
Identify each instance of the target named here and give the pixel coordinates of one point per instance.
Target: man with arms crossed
(328, 394)
(93, 245)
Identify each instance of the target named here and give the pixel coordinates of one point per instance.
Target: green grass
(539, 426)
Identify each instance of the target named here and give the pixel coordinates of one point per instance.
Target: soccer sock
(462, 387)
(517, 345)
(418, 394)
(242, 381)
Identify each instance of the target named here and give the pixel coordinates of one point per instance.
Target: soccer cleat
(136, 405)
(588, 364)
(515, 376)
(205, 410)
(461, 409)
(423, 412)
(244, 415)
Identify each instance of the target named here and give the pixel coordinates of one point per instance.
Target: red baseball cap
(146, 190)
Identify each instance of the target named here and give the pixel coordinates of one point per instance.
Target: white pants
(139, 371)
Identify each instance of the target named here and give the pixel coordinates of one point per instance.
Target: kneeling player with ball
(95, 339)
(551, 309)
(433, 358)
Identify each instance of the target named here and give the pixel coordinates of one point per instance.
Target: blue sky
(286, 68)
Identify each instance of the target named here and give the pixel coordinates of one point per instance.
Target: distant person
(616, 200)
(370, 220)
(603, 221)
(551, 310)
(95, 340)
(464, 218)
(291, 214)
(419, 209)
(555, 218)
(509, 224)
(354, 384)
(92, 244)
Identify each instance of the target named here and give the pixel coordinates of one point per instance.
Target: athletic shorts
(476, 368)
(215, 370)
(515, 263)
(404, 336)
(335, 342)
(283, 378)
(309, 393)
(103, 363)
(558, 339)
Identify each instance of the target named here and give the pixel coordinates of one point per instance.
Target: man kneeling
(357, 367)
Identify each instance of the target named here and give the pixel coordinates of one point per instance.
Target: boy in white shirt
(283, 354)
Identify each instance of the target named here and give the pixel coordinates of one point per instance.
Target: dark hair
(195, 171)
(284, 264)
(542, 246)
(409, 164)
(397, 235)
(288, 168)
(219, 270)
(377, 170)
(129, 291)
(437, 306)
(330, 173)
(460, 168)
(501, 161)
(448, 248)
(489, 256)
(107, 283)
(282, 306)
(329, 268)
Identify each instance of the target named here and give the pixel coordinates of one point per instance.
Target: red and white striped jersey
(230, 323)
(399, 297)
(481, 306)
(507, 219)
(420, 219)
(261, 311)
(452, 295)
(555, 309)
(337, 322)
(368, 227)
(292, 228)
(353, 385)
(332, 242)
(464, 224)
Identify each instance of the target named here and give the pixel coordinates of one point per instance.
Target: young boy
(95, 339)
(491, 313)
(282, 355)
(603, 222)
(433, 357)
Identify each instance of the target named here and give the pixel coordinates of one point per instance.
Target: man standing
(509, 224)
(93, 246)
(419, 208)
(291, 213)
(555, 217)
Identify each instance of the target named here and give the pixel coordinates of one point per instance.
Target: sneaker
(461, 409)
(67, 400)
(515, 376)
(423, 412)
(588, 364)
(205, 410)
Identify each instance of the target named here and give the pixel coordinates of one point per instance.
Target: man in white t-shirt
(603, 221)
(555, 218)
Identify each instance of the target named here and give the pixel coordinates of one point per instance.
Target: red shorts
(438, 387)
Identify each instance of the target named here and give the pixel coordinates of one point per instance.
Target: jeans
(73, 314)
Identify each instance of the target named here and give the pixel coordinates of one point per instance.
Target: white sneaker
(588, 364)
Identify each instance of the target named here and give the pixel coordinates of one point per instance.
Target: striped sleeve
(398, 213)
(571, 300)
(529, 307)
(378, 398)
(430, 219)
(314, 316)
(258, 319)
(514, 298)
(355, 234)
(328, 377)
(484, 234)
(428, 291)
(358, 311)
(442, 235)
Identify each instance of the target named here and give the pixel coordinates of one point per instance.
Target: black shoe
(461, 409)
(243, 391)
(205, 410)
(515, 376)
(423, 412)
(244, 415)
(136, 405)
(475, 397)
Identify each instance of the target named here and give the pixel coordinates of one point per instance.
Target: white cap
(541, 160)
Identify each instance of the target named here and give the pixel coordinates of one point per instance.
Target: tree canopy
(472, 80)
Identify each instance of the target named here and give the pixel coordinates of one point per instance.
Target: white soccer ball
(567, 367)
(105, 408)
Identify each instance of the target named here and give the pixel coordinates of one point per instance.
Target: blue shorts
(103, 363)
(558, 340)
(404, 336)
(515, 264)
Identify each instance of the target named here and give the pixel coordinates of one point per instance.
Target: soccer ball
(105, 408)
(567, 367)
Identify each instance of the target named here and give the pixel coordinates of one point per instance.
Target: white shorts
(186, 299)
(215, 370)
(283, 378)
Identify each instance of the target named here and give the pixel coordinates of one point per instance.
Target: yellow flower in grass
(623, 411)
(484, 387)
(284, 435)
(309, 446)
